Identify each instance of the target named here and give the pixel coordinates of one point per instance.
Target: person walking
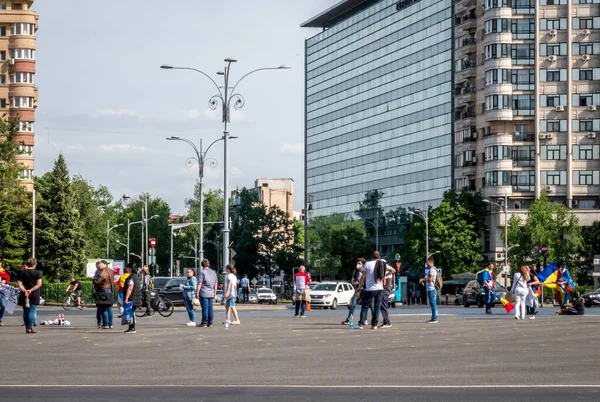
(189, 291)
(489, 286)
(520, 290)
(206, 291)
(30, 282)
(4, 280)
(103, 286)
(356, 276)
(373, 275)
(429, 282)
(147, 285)
(388, 289)
(531, 300)
(132, 292)
(301, 281)
(245, 289)
(229, 295)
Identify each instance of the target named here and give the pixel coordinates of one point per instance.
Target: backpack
(480, 276)
(439, 281)
(379, 271)
(151, 283)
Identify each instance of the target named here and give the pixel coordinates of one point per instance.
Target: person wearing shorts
(229, 294)
(75, 287)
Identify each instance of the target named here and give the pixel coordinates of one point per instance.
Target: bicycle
(71, 301)
(158, 303)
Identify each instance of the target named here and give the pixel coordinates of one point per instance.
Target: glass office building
(379, 106)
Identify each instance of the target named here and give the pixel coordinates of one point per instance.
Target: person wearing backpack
(430, 285)
(372, 283)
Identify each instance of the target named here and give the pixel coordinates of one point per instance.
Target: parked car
(331, 294)
(169, 287)
(312, 285)
(591, 298)
(475, 295)
(265, 295)
(252, 297)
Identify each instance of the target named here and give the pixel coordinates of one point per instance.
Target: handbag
(103, 299)
(127, 316)
(195, 302)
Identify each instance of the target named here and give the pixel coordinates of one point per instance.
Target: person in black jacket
(132, 292)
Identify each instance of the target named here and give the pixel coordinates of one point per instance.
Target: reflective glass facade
(379, 108)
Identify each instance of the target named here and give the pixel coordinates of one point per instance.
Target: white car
(331, 294)
(266, 295)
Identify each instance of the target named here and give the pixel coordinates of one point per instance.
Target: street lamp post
(225, 97)
(505, 209)
(425, 216)
(200, 159)
(108, 230)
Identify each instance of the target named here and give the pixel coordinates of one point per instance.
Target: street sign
(398, 265)
(397, 257)
(544, 248)
(152, 242)
(254, 281)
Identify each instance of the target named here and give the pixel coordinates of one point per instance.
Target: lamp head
(126, 197)
(166, 67)
(173, 138)
(230, 60)
(486, 200)
(284, 67)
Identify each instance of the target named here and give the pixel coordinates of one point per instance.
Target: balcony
(467, 47)
(465, 95)
(504, 62)
(498, 89)
(466, 117)
(523, 162)
(497, 191)
(498, 164)
(497, 37)
(498, 114)
(463, 5)
(499, 138)
(470, 187)
(499, 12)
(525, 137)
(465, 24)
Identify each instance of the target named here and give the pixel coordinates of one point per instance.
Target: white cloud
(237, 173)
(296, 149)
(118, 113)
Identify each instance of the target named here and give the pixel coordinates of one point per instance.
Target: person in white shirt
(520, 290)
(372, 287)
(229, 294)
(429, 281)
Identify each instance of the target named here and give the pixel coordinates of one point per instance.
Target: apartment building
(276, 192)
(527, 105)
(18, 94)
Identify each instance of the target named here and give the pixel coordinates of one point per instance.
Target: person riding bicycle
(77, 291)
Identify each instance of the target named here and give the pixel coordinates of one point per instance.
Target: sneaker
(532, 317)
(302, 316)
(1, 325)
(201, 325)
(386, 326)
(488, 311)
(35, 325)
(80, 308)
(296, 315)
(208, 325)
(191, 324)
(517, 318)
(359, 326)
(347, 322)
(111, 327)
(374, 327)
(432, 322)
(105, 327)
(235, 322)
(130, 331)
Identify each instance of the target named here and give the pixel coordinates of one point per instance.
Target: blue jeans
(190, 309)
(352, 305)
(488, 298)
(107, 315)
(432, 296)
(207, 310)
(367, 298)
(300, 307)
(29, 315)
(3, 302)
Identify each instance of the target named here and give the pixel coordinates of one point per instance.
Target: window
(523, 28)
(497, 152)
(523, 80)
(553, 177)
(2, 31)
(556, 23)
(553, 126)
(24, 149)
(553, 100)
(586, 48)
(26, 126)
(21, 78)
(2, 79)
(583, 74)
(586, 23)
(524, 105)
(497, 76)
(22, 54)
(523, 54)
(586, 125)
(26, 174)
(523, 180)
(553, 75)
(586, 99)
(558, 49)
(586, 152)
(586, 177)
(495, 102)
(2, 103)
(2, 54)
(497, 25)
(523, 155)
(22, 102)
(496, 178)
(22, 29)
(552, 2)
(553, 152)
(2, 6)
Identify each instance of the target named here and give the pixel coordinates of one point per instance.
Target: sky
(107, 106)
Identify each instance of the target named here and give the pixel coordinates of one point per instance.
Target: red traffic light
(152, 242)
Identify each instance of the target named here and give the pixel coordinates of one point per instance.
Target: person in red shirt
(4, 279)
(301, 281)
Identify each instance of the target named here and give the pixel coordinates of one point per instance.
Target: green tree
(452, 232)
(61, 250)
(15, 202)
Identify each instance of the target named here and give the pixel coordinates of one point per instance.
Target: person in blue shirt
(189, 292)
(245, 288)
(489, 286)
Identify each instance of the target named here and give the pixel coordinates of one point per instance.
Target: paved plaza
(274, 354)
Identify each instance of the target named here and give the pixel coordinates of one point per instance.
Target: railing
(470, 187)
(524, 162)
(473, 138)
(524, 137)
(465, 90)
(469, 41)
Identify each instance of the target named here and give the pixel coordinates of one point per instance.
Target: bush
(55, 292)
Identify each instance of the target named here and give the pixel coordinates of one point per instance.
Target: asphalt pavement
(274, 356)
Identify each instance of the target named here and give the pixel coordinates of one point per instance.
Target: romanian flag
(550, 275)
(508, 306)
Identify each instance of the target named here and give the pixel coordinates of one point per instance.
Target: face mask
(358, 266)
